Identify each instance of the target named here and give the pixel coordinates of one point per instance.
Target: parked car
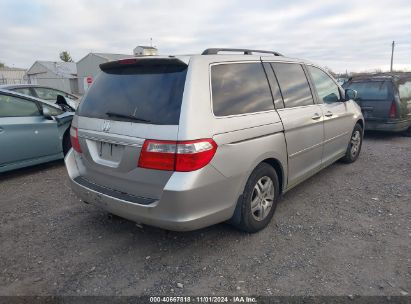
(184, 142)
(32, 131)
(44, 93)
(385, 101)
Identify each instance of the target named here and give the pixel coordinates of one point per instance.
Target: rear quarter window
(240, 88)
(405, 90)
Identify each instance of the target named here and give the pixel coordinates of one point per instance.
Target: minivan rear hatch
(131, 100)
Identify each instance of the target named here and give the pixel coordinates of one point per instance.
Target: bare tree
(65, 56)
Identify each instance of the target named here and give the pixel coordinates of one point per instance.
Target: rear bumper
(190, 200)
(392, 126)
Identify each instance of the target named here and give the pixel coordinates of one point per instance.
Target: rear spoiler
(143, 63)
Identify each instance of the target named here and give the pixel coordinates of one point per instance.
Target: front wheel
(354, 146)
(259, 200)
(407, 132)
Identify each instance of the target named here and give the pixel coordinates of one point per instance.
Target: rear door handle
(1, 130)
(316, 116)
(329, 114)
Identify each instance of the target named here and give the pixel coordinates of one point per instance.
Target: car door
(24, 133)
(338, 120)
(302, 120)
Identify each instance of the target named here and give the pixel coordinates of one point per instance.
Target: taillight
(74, 139)
(393, 110)
(180, 156)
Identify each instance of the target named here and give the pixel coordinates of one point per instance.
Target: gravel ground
(347, 230)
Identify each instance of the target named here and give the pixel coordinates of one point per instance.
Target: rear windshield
(370, 90)
(144, 94)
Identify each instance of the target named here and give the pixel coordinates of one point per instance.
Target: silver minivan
(184, 142)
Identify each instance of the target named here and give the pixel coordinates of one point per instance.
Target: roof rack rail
(215, 51)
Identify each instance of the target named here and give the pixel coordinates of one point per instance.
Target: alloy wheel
(262, 198)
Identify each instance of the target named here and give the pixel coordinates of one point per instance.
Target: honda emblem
(106, 126)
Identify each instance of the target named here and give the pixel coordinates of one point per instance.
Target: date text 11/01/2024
(205, 299)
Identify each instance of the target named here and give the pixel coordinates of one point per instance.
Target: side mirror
(61, 100)
(350, 94)
(331, 98)
(47, 113)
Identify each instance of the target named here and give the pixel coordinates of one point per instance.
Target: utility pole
(392, 54)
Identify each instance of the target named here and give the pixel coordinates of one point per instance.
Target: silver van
(184, 142)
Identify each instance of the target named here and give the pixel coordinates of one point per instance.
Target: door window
(25, 91)
(327, 90)
(48, 94)
(293, 84)
(11, 106)
(240, 88)
(53, 111)
(275, 89)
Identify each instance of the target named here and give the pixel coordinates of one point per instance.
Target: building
(12, 75)
(88, 67)
(57, 75)
(142, 50)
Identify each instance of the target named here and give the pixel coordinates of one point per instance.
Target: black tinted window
(147, 94)
(327, 90)
(275, 89)
(370, 90)
(293, 84)
(240, 88)
(11, 106)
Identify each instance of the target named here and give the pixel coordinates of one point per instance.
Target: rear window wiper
(125, 116)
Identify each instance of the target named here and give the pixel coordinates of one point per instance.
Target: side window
(293, 84)
(405, 90)
(240, 88)
(11, 106)
(47, 94)
(275, 89)
(53, 111)
(327, 90)
(25, 91)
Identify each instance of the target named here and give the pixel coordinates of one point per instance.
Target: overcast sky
(352, 35)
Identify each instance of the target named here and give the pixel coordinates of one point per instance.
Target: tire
(66, 143)
(263, 202)
(407, 132)
(354, 146)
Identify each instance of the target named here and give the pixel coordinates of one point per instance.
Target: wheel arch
(361, 123)
(279, 169)
(276, 164)
(66, 135)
